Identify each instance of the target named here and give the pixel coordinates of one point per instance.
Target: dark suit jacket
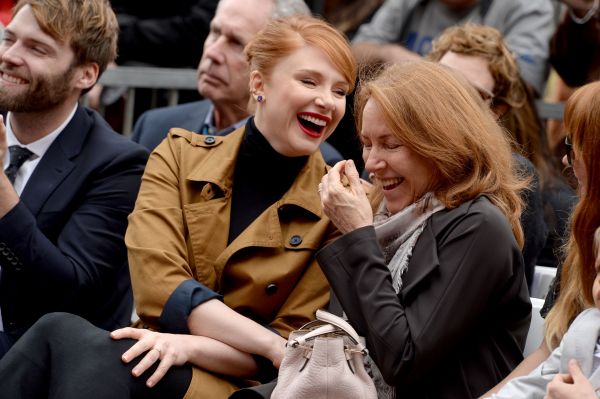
(62, 246)
(535, 230)
(152, 126)
(459, 323)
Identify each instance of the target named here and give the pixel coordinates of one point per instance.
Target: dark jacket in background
(163, 33)
(534, 226)
(575, 50)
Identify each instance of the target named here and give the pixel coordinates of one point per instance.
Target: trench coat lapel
(218, 168)
(302, 197)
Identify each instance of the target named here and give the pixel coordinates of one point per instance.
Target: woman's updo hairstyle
(283, 36)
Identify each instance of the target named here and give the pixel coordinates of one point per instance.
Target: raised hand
(347, 206)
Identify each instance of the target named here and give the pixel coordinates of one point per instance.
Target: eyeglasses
(569, 151)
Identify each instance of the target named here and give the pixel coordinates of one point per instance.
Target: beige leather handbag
(324, 360)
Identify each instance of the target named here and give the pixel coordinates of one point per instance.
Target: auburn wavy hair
(582, 122)
(283, 36)
(438, 115)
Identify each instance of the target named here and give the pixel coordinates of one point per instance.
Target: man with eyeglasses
(481, 55)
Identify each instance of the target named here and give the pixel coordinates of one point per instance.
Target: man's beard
(44, 92)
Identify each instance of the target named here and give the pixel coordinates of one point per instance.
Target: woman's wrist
(276, 350)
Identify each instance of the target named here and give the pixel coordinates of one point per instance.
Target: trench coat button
(295, 240)
(271, 289)
(209, 140)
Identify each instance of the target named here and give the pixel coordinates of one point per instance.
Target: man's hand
(8, 196)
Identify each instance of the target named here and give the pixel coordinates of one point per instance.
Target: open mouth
(12, 79)
(313, 124)
(390, 184)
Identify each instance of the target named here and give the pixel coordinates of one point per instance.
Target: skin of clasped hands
(346, 205)
(573, 385)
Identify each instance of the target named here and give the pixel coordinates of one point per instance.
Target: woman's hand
(570, 386)
(347, 207)
(168, 349)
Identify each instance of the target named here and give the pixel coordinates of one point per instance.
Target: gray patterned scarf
(398, 235)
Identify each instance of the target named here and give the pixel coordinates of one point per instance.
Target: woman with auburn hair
(573, 294)
(572, 370)
(570, 292)
(221, 243)
(435, 280)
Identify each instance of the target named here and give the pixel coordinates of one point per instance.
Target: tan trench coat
(179, 230)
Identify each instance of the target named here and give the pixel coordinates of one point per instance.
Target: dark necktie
(18, 155)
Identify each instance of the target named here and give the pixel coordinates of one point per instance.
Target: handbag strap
(340, 323)
(324, 329)
(333, 324)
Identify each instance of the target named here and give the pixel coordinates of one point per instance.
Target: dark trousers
(64, 356)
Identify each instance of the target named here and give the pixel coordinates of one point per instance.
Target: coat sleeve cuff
(348, 242)
(180, 304)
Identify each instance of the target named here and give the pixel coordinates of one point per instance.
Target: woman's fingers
(147, 361)
(146, 340)
(347, 206)
(168, 359)
(157, 347)
(128, 332)
(354, 178)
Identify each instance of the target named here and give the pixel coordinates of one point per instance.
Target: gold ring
(158, 350)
